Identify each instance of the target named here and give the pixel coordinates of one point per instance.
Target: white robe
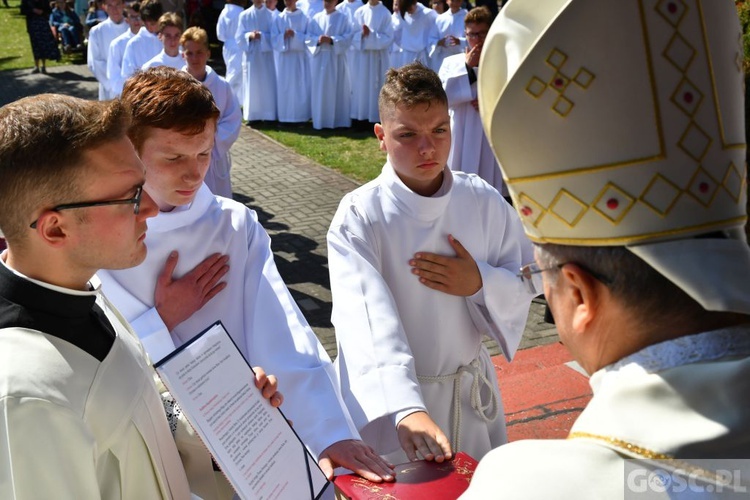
(685, 398)
(162, 59)
(218, 178)
(74, 427)
(470, 150)
(114, 62)
(413, 37)
(259, 81)
(391, 329)
(310, 7)
(99, 39)
(226, 29)
(292, 67)
(256, 308)
(448, 23)
(330, 91)
(370, 60)
(349, 8)
(139, 50)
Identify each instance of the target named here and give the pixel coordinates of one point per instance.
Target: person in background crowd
(470, 151)
(100, 38)
(451, 37)
(195, 51)
(226, 29)
(253, 37)
(65, 21)
(43, 43)
(170, 31)
(117, 48)
(146, 43)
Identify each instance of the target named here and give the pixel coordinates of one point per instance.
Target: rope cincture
(488, 412)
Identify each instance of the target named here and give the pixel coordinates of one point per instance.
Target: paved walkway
(295, 199)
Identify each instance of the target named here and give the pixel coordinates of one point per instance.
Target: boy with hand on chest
(423, 263)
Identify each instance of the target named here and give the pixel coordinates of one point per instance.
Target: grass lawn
(15, 48)
(353, 152)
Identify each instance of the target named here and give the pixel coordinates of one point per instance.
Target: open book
(256, 448)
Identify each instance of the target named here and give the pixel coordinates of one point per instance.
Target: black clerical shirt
(77, 319)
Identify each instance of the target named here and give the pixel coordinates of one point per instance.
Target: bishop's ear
(584, 291)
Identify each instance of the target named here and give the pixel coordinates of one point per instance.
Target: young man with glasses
(621, 155)
(80, 414)
(470, 152)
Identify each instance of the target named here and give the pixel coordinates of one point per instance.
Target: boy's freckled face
(176, 164)
(418, 142)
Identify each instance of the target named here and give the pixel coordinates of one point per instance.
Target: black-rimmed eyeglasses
(135, 201)
(531, 276)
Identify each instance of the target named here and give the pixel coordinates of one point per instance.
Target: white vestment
(370, 59)
(256, 308)
(259, 81)
(310, 7)
(470, 149)
(684, 398)
(139, 50)
(114, 62)
(448, 23)
(218, 178)
(400, 342)
(330, 91)
(74, 427)
(100, 37)
(226, 29)
(349, 7)
(413, 36)
(163, 59)
(292, 67)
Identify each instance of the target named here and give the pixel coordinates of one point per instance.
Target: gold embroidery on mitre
(733, 182)
(687, 97)
(568, 208)
(672, 11)
(703, 187)
(613, 203)
(660, 195)
(559, 83)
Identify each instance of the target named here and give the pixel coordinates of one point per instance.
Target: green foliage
(743, 10)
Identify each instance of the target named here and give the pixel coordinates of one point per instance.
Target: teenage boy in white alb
(146, 44)
(423, 263)
(177, 291)
(196, 51)
(259, 78)
(471, 151)
(170, 31)
(116, 49)
(372, 40)
(99, 39)
(292, 64)
(329, 38)
(226, 29)
(451, 37)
